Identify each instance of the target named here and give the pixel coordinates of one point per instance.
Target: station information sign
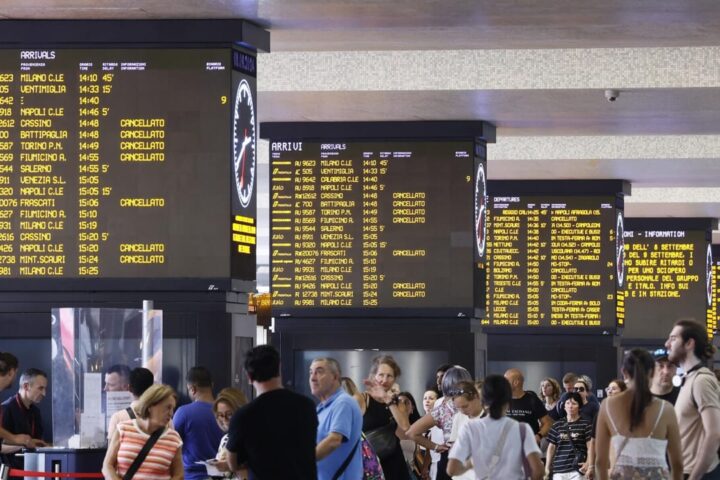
(380, 225)
(552, 261)
(669, 277)
(117, 163)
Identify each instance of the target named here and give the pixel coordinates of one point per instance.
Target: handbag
(422, 463)
(383, 440)
(143, 453)
(578, 457)
(372, 470)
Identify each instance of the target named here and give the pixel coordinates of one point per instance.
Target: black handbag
(578, 456)
(383, 440)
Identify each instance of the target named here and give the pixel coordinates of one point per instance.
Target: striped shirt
(566, 435)
(157, 463)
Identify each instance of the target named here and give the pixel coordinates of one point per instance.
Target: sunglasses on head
(579, 389)
(461, 391)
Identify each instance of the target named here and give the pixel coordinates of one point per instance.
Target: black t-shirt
(18, 419)
(275, 435)
(529, 409)
(671, 396)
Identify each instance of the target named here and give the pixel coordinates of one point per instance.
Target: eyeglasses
(225, 416)
(579, 389)
(460, 391)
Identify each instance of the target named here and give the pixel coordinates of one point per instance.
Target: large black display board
(360, 226)
(552, 259)
(669, 266)
(118, 164)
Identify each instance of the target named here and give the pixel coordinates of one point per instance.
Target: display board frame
(701, 227)
(614, 190)
(476, 134)
(241, 40)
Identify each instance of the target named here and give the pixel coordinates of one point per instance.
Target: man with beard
(698, 403)
(661, 386)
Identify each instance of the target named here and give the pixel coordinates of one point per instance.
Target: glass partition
(86, 343)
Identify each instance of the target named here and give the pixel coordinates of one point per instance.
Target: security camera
(612, 95)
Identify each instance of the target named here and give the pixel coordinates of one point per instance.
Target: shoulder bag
(130, 412)
(382, 439)
(143, 453)
(578, 457)
(347, 461)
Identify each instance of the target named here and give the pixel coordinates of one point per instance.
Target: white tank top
(640, 454)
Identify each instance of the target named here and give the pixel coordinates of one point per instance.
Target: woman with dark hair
(409, 447)
(496, 444)
(441, 416)
(385, 418)
(570, 454)
(642, 429)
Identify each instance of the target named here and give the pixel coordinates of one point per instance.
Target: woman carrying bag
(144, 448)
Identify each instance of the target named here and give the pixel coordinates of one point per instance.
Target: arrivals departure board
(668, 277)
(552, 261)
(358, 225)
(118, 163)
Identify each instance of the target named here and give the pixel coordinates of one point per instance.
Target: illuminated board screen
(126, 163)
(372, 225)
(715, 315)
(551, 261)
(667, 278)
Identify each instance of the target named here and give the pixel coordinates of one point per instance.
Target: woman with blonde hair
(550, 392)
(163, 461)
(385, 418)
(224, 407)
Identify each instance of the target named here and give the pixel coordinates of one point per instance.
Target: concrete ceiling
(536, 69)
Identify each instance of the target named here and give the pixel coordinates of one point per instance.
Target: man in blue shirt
(196, 424)
(339, 424)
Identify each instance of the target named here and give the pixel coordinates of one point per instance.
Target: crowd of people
(654, 423)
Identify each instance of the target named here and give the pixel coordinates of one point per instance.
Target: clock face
(620, 250)
(244, 143)
(480, 210)
(709, 275)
